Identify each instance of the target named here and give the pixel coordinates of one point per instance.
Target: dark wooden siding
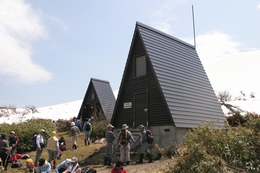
(158, 113)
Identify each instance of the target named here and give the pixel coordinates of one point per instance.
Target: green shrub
(26, 130)
(99, 129)
(228, 149)
(63, 125)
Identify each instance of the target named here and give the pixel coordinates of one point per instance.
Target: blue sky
(49, 50)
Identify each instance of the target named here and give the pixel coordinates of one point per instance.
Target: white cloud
(162, 17)
(258, 6)
(226, 66)
(214, 44)
(20, 26)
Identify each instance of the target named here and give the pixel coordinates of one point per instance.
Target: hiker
(110, 137)
(4, 150)
(53, 148)
(63, 166)
(39, 146)
(74, 133)
(62, 144)
(144, 145)
(13, 142)
(78, 123)
(44, 166)
(74, 167)
(123, 140)
(90, 120)
(118, 168)
(30, 166)
(87, 129)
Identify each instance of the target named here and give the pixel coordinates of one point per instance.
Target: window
(140, 66)
(92, 96)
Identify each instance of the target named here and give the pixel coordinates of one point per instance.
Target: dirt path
(155, 167)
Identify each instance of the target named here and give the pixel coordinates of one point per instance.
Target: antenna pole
(193, 27)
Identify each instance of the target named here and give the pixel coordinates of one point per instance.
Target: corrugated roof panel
(105, 95)
(182, 78)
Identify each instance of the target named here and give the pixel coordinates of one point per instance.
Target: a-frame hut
(164, 87)
(99, 101)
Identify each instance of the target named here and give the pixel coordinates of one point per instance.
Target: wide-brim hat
(74, 159)
(124, 126)
(72, 124)
(12, 132)
(141, 126)
(42, 130)
(110, 125)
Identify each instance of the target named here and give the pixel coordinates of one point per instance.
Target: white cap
(72, 124)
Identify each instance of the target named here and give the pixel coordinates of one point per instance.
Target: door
(141, 109)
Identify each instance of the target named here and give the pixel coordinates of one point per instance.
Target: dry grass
(84, 153)
(93, 155)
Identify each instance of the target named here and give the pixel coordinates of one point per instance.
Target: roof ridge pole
(193, 27)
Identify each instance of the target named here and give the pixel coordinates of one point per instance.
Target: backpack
(123, 137)
(88, 169)
(33, 141)
(18, 139)
(87, 127)
(149, 136)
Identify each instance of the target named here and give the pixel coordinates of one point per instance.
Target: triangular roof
(181, 78)
(104, 94)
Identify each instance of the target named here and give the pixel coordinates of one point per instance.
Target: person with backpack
(74, 133)
(4, 150)
(53, 148)
(145, 143)
(123, 140)
(78, 123)
(87, 129)
(110, 137)
(39, 146)
(14, 142)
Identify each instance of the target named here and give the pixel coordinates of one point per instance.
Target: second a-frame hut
(99, 101)
(164, 87)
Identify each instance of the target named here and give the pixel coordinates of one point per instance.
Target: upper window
(92, 96)
(140, 66)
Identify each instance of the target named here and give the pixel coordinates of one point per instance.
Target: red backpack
(149, 136)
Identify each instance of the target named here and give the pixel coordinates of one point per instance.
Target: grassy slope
(93, 155)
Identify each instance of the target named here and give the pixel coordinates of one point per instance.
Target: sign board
(127, 105)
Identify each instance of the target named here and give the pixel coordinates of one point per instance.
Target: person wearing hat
(123, 140)
(63, 166)
(110, 137)
(144, 145)
(4, 150)
(39, 146)
(87, 129)
(44, 166)
(74, 167)
(53, 148)
(30, 166)
(74, 133)
(13, 142)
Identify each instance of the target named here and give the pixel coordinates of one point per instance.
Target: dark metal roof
(182, 78)
(105, 96)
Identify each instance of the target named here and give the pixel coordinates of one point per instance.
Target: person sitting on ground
(44, 166)
(74, 167)
(118, 168)
(63, 166)
(30, 166)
